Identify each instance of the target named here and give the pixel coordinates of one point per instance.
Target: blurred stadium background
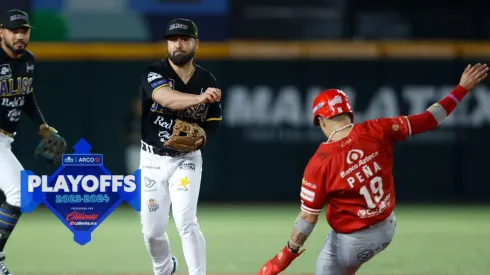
(270, 57)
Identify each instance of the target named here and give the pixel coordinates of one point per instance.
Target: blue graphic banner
(24, 5)
(56, 5)
(203, 7)
(81, 193)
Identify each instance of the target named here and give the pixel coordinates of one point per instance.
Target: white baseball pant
(10, 171)
(172, 181)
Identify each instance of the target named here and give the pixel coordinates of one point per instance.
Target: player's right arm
(313, 188)
(156, 86)
(313, 198)
(401, 127)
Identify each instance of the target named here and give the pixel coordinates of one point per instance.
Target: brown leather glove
(51, 147)
(186, 136)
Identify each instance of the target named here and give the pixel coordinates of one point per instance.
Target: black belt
(160, 152)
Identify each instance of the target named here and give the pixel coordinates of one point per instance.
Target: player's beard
(180, 58)
(12, 47)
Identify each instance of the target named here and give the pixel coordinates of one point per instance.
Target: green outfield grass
(430, 240)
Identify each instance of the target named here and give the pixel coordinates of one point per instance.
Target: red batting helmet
(330, 103)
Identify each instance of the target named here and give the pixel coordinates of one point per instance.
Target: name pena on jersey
(197, 112)
(368, 168)
(87, 183)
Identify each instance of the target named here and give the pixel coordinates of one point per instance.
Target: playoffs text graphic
(88, 183)
(81, 193)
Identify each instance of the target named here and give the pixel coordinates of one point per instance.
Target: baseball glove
(186, 136)
(51, 147)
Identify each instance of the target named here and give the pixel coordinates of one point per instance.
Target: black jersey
(157, 121)
(16, 90)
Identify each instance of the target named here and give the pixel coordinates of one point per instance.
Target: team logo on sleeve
(354, 155)
(307, 195)
(308, 184)
(5, 72)
(153, 76)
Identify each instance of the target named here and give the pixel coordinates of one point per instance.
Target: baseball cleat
(174, 261)
(3, 267)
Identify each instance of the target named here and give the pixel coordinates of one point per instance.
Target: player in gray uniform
(17, 67)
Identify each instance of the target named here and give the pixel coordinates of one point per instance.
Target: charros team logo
(81, 193)
(354, 155)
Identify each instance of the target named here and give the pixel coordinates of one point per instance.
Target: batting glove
(280, 262)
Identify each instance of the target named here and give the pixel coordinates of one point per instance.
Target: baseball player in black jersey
(180, 111)
(17, 67)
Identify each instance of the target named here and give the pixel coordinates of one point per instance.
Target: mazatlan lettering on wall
(266, 114)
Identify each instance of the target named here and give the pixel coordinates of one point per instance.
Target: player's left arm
(33, 111)
(305, 223)
(52, 145)
(401, 127)
(212, 121)
(313, 198)
(438, 112)
(31, 107)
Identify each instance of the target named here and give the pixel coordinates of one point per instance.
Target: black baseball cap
(14, 19)
(181, 26)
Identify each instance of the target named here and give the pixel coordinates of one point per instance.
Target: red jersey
(354, 175)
